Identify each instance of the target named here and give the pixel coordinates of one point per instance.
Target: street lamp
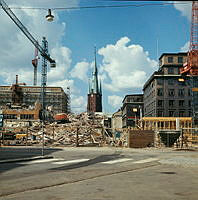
(135, 111)
(49, 17)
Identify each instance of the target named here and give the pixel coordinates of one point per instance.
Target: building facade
(55, 98)
(94, 98)
(116, 121)
(132, 109)
(166, 93)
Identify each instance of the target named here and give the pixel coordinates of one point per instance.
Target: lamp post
(135, 111)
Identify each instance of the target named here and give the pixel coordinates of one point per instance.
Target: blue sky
(128, 40)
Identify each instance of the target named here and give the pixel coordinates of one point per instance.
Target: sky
(129, 40)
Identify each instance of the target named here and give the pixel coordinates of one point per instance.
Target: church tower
(94, 101)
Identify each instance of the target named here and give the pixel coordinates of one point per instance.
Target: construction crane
(27, 33)
(35, 65)
(190, 68)
(42, 49)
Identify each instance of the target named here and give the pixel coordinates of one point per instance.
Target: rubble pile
(80, 131)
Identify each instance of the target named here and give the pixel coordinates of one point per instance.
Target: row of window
(172, 103)
(173, 113)
(172, 81)
(179, 59)
(171, 92)
(22, 116)
(133, 99)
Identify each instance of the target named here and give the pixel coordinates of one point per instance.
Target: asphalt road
(102, 173)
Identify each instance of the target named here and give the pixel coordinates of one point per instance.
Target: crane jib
(26, 32)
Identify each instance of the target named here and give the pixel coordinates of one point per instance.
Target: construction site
(34, 115)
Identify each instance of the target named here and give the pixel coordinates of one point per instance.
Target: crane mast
(42, 49)
(190, 68)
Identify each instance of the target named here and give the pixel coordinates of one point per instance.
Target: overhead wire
(102, 6)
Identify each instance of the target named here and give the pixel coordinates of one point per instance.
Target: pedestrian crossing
(61, 161)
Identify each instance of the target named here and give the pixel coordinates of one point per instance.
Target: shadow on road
(102, 158)
(9, 153)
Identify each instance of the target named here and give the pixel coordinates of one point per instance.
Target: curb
(25, 159)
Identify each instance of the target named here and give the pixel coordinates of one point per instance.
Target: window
(189, 92)
(181, 83)
(181, 113)
(160, 81)
(171, 103)
(181, 92)
(171, 113)
(180, 59)
(26, 116)
(170, 59)
(170, 70)
(171, 92)
(189, 103)
(10, 116)
(181, 102)
(160, 113)
(171, 81)
(160, 103)
(160, 91)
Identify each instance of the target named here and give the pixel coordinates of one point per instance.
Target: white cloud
(115, 101)
(44, 3)
(63, 63)
(80, 71)
(78, 104)
(184, 7)
(185, 48)
(17, 51)
(126, 66)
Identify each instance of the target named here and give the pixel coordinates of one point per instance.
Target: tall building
(20, 94)
(132, 109)
(94, 101)
(166, 94)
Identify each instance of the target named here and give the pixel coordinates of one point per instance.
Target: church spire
(94, 83)
(95, 72)
(94, 103)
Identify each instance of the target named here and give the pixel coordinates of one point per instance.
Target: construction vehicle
(61, 118)
(190, 68)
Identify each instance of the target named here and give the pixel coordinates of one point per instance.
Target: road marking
(70, 161)
(146, 160)
(117, 161)
(41, 161)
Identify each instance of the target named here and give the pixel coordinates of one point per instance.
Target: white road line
(117, 161)
(146, 160)
(70, 161)
(41, 161)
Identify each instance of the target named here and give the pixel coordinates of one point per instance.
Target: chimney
(16, 79)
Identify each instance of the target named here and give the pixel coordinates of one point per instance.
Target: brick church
(94, 101)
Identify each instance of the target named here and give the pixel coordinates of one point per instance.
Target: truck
(61, 118)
